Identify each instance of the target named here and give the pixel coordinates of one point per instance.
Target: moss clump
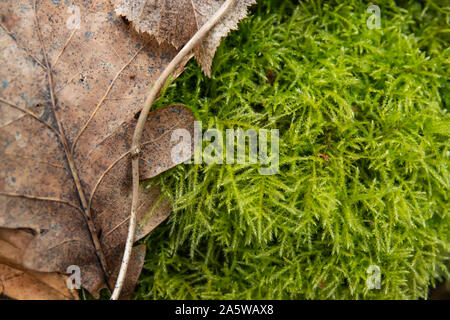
(374, 101)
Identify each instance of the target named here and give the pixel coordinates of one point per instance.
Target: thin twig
(136, 145)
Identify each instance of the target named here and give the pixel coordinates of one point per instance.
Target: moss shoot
(364, 154)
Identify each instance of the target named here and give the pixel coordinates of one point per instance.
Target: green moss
(374, 101)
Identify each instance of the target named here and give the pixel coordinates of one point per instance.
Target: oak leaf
(17, 282)
(176, 21)
(72, 79)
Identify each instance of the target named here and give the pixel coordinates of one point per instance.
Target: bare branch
(136, 145)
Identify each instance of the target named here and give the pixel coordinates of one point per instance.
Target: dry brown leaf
(19, 283)
(68, 100)
(30, 285)
(176, 21)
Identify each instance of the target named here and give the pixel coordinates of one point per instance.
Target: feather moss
(373, 101)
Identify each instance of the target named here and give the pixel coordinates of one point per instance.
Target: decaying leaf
(72, 78)
(176, 21)
(17, 282)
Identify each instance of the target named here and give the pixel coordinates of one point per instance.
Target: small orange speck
(324, 157)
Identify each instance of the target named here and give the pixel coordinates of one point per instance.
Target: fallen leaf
(72, 78)
(176, 21)
(19, 283)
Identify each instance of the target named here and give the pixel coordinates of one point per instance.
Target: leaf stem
(136, 145)
(87, 214)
